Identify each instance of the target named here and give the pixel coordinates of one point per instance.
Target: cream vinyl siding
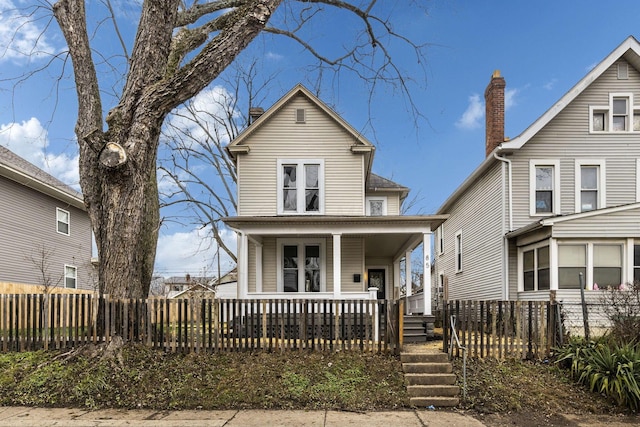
(318, 138)
(352, 263)
(28, 224)
(567, 137)
(478, 214)
(621, 224)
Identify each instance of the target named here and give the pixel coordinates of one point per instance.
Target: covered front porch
(340, 258)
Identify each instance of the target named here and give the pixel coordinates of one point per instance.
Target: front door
(377, 280)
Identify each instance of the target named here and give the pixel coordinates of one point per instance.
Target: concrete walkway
(39, 417)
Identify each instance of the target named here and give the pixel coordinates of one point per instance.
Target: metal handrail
(454, 334)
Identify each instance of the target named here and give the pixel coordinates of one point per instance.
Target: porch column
(258, 268)
(243, 265)
(407, 281)
(337, 266)
(426, 273)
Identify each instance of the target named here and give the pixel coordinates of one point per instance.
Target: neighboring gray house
(45, 233)
(560, 199)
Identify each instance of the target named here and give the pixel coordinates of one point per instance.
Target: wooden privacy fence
(502, 329)
(32, 322)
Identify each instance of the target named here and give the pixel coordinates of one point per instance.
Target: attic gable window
(301, 186)
(300, 115)
(619, 116)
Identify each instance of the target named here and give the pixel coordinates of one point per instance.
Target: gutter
(505, 241)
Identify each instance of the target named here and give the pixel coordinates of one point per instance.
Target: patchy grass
(523, 393)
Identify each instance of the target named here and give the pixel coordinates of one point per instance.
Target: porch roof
(386, 236)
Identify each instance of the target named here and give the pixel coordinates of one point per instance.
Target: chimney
(255, 113)
(494, 113)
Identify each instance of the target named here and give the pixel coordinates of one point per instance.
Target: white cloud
(510, 98)
(274, 56)
(471, 118)
(192, 252)
(21, 37)
(30, 140)
(550, 84)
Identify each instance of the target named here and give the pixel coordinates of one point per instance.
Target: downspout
(505, 257)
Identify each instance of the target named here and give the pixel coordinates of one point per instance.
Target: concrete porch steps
(417, 328)
(430, 379)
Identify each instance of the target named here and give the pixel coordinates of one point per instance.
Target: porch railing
(31, 322)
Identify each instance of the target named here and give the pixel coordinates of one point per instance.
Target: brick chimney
(494, 113)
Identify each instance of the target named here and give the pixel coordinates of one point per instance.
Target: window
(636, 263)
(62, 218)
(572, 260)
(301, 187)
(302, 267)
(440, 240)
(535, 268)
(607, 265)
(376, 206)
(590, 185)
(459, 251)
(545, 187)
(300, 115)
(600, 263)
(70, 276)
(619, 116)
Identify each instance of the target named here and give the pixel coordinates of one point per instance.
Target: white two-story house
(556, 206)
(313, 220)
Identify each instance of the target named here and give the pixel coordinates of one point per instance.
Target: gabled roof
(361, 144)
(629, 49)
(19, 170)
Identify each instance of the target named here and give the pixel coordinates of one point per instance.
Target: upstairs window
(544, 181)
(590, 185)
(301, 188)
(619, 116)
(63, 220)
(376, 206)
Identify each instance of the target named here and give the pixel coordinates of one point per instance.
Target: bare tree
(41, 258)
(180, 48)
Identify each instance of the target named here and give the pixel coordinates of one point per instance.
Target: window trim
(637, 180)
(602, 184)
(75, 276)
(533, 247)
(607, 110)
(440, 240)
(369, 199)
(589, 244)
(281, 243)
(533, 164)
(58, 222)
(458, 260)
(300, 163)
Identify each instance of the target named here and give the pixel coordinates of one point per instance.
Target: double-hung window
(301, 186)
(619, 116)
(544, 177)
(301, 265)
(70, 276)
(535, 267)
(590, 185)
(458, 247)
(62, 221)
(599, 262)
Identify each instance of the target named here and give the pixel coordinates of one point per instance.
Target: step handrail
(454, 335)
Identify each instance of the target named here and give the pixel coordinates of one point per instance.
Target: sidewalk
(12, 416)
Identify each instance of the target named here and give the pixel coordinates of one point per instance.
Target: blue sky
(542, 48)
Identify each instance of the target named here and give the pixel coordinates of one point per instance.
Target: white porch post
(337, 266)
(243, 264)
(258, 268)
(407, 280)
(426, 273)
